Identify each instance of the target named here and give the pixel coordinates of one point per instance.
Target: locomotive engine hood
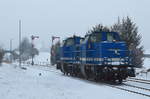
(115, 53)
(114, 49)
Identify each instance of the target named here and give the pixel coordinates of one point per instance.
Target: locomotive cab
(108, 47)
(70, 53)
(105, 54)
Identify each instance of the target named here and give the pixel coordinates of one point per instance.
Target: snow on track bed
(130, 89)
(138, 90)
(139, 80)
(43, 67)
(145, 84)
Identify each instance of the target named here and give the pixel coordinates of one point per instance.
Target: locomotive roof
(100, 32)
(74, 36)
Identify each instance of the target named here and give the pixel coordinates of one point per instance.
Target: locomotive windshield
(111, 36)
(69, 42)
(96, 37)
(102, 36)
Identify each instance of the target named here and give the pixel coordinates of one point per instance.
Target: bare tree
(26, 49)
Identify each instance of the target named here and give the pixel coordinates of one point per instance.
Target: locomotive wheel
(95, 74)
(83, 71)
(120, 81)
(62, 68)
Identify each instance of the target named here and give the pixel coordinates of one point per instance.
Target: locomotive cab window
(95, 37)
(63, 43)
(85, 39)
(111, 37)
(69, 42)
(81, 40)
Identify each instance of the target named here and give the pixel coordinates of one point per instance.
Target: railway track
(143, 81)
(131, 91)
(126, 87)
(48, 68)
(146, 89)
(139, 80)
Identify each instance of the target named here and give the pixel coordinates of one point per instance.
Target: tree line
(26, 51)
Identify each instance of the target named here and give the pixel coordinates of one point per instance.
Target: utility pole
(32, 38)
(20, 43)
(11, 49)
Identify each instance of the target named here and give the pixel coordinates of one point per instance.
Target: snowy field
(43, 58)
(16, 83)
(39, 82)
(146, 65)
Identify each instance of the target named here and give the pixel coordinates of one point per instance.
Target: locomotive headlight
(127, 58)
(108, 60)
(122, 59)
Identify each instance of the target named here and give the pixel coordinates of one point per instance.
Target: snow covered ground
(147, 63)
(40, 82)
(16, 83)
(43, 58)
(143, 74)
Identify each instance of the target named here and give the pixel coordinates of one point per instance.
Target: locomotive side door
(84, 50)
(94, 47)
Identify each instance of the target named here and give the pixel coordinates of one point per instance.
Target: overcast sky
(67, 17)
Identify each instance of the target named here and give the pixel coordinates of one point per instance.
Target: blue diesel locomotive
(98, 56)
